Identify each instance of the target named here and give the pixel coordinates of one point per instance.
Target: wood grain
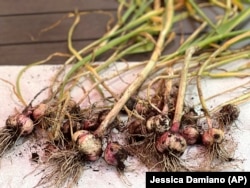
(32, 30)
(23, 54)
(51, 27)
(15, 7)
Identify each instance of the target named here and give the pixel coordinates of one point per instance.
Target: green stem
(201, 44)
(120, 55)
(99, 51)
(113, 32)
(182, 90)
(20, 74)
(234, 22)
(168, 20)
(226, 74)
(211, 57)
(201, 13)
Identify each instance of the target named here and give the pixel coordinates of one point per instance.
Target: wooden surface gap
(55, 12)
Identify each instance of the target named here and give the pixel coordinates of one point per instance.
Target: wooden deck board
(21, 23)
(32, 28)
(29, 53)
(24, 54)
(14, 7)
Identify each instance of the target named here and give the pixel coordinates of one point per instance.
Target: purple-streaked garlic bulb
(115, 155)
(21, 123)
(171, 142)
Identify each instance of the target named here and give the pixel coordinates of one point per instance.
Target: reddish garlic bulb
(115, 155)
(26, 125)
(20, 122)
(190, 133)
(171, 142)
(39, 111)
(88, 144)
(211, 136)
(207, 138)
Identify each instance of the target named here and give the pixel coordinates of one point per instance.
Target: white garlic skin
(88, 144)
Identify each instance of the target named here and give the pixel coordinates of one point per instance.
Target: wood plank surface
(26, 27)
(14, 7)
(51, 27)
(32, 30)
(55, 27)
(24, 54)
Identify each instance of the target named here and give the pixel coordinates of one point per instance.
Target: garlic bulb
(115, 155)
(171, 142)
(21, 123)
(88, 144)
(211, 136)
(158, 123)
(39, 111)
(190, 133)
